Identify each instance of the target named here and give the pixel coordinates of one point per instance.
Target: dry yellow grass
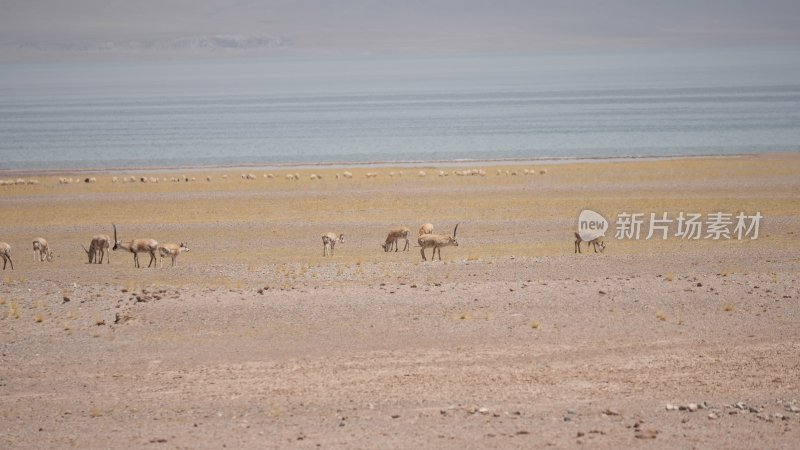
(13, 311)
(282, 221)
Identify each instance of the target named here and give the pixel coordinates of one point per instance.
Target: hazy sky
(97, 29)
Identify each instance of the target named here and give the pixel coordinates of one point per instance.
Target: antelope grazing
(5, 252)
(395, 234)
(436, 242)
(426, 228)
(329, 240)
(137, 246)
(172, 250)
(598, 241)
(41, 250)
(98, 247)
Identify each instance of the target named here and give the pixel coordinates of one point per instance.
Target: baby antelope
(594, 243)
(395, 234)
(436, 242)
(329, 240)
(172, 250)
(41, 250)
(5, 253)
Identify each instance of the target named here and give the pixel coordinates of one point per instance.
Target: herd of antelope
(425, 240)
(133, 179)
(99, 246)
(99, 250)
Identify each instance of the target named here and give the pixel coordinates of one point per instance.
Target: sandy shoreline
(546, 160)
(256, 340)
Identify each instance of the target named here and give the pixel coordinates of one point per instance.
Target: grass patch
(13, 310)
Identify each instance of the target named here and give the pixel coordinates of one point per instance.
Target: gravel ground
(661, 346)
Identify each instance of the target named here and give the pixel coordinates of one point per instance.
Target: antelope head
(89, 254)
(341, 238)
(184, 247)
(453, 240)
(602, 245)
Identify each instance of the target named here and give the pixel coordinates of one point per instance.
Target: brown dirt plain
(512, 341)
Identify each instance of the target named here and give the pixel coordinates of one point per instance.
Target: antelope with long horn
(98, 247)
(5, 253)
(172, 250)
(436, 241)
(41, 250)
(395, 234)
(329, 240)
(137, 246)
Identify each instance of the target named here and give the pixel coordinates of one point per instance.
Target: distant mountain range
(141, 29)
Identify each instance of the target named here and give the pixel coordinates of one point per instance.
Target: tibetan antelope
(329, 240)
(98, 249)
(172, 250)
(41, 250)
(426, 228)
(5, 253)
(395, 234)
(137, 246)
(594, 243)
(436, 242)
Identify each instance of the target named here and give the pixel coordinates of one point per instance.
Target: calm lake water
(221, 112)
